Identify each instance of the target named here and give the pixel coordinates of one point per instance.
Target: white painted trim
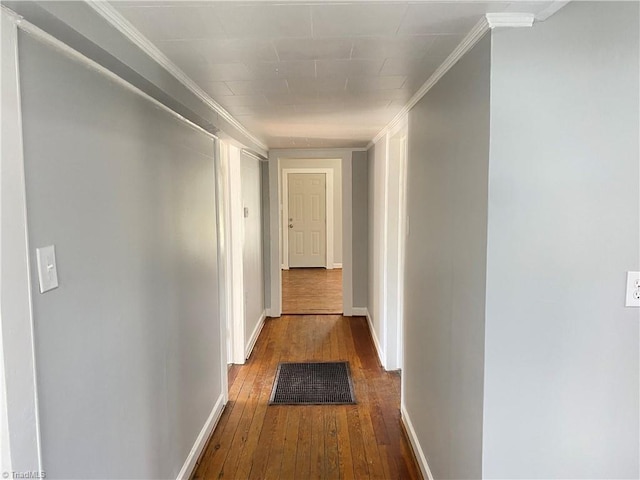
(415, 443)
(347, 236)
(235, 249)
(115, 19)
(467, 43)
(510, 19)
(223, 285)
(329, 217)
(337, 265)
(69, 52)
(359, 311)
(384, 253)
(16, 308)
(255, 334)
(267, 312)
(201, 441)
(249, 153)
(402, 235)
(376, 342)
(551, 9)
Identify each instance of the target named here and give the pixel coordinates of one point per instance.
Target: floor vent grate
(313, 383)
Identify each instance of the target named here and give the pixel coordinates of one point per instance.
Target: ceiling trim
(551, 9)
(467, 43)
(249, 153)
(486, 23)
(508, 19)
(114, 18)
(48, 39)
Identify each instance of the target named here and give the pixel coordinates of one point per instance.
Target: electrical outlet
(633, 289)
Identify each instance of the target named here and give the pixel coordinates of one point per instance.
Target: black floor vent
(313, 383)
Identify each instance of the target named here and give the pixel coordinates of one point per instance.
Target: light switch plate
(633, 289)
(47, 270)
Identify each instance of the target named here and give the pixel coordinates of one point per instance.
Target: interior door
(307, 220)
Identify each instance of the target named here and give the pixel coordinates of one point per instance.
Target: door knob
(291, 225)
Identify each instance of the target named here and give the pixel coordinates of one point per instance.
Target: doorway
(311, 279)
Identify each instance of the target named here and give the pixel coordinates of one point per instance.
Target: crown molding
(551, 10)
(486, 23)
(115, 19)
(48, 39)
(508, 19)
(467, 43)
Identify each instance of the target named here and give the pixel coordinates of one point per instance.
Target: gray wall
(448, 159)
(252, 263)
(127, 348)
(360, 238)
(79, 26)
(377, 192)
(561, 391)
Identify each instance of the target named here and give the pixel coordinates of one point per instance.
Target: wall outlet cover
(633, 289)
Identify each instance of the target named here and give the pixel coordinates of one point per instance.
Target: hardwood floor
(256, 441)
(311, 290)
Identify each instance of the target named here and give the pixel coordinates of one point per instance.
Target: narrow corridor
(312, 290)
(258, 441)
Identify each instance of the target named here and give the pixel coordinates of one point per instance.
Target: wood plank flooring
(256, 441)
(311, 290)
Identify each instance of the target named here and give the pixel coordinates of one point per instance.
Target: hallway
(311, 290)
(254, 440)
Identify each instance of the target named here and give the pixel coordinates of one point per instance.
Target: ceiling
(311, 74)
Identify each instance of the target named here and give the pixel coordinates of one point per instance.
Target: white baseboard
(337, 265)
(359, 311)
(255, 334)
(415, 444)
(187, 469)
(375, 337)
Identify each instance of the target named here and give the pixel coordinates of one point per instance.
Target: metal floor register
(313, 383)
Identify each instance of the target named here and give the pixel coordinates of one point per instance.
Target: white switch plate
(633, 289)
(47, 271)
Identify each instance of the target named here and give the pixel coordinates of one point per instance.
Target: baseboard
(337, 265)
(190, 463)
(376, 343)
(359, 311)
(255, 334)
(415, 443)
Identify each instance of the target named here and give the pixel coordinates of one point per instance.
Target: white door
(307, 220)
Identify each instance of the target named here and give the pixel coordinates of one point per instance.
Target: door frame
(328, 216)
(274, 236)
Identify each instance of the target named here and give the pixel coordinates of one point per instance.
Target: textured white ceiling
(303, 74)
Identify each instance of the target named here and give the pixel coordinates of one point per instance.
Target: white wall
(377, 194)
(19, 433)
(561, 376)
(128, 348)
(387, 211)
(336, 166)
(252, 261)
